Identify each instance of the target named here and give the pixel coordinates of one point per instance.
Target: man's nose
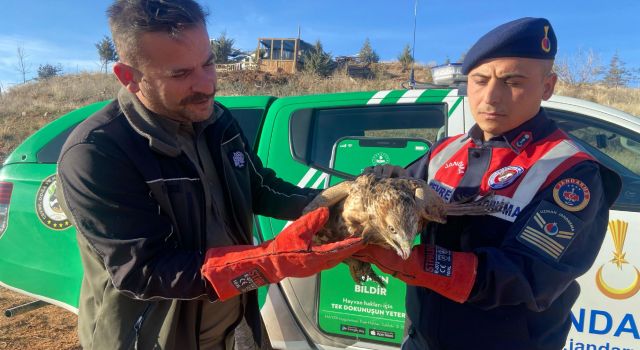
(493, 92)
(205, 81)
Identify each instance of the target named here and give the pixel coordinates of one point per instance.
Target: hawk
(385, 211)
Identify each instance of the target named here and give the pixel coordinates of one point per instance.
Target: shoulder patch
(571, 194)
(549, 231)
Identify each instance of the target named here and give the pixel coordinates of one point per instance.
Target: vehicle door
(606, 315)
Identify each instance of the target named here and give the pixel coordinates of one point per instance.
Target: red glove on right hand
(233, 270)
(450, 274)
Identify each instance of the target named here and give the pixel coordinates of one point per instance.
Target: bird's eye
(392, 229)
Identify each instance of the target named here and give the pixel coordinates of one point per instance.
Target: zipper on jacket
(138, 326)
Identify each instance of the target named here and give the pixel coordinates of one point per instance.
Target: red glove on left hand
(450, 274)
(233, 270)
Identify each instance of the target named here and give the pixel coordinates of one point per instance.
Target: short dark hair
(129, 19)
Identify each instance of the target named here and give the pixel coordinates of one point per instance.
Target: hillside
(26, 108)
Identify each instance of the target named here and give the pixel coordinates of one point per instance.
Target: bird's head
(395, 221)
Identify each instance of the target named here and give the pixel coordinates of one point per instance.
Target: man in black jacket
(505, 280)
(162, 185)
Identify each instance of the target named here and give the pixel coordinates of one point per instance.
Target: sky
(65, 32)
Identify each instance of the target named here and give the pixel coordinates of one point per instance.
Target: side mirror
(601, 141)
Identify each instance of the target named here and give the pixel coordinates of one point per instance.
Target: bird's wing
(480, 206)
(330, 196)
(430, 206)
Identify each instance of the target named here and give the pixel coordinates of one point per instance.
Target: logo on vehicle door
(48, 208)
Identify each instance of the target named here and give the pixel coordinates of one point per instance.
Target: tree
(617, 75)
(107, 52)
(368, 54)
(222, 48)
(22, 66)
(405, 58)
(317, 61)
(580, 69)
(47, 71)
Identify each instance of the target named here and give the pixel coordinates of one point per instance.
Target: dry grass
(26, 108)
(624, 99)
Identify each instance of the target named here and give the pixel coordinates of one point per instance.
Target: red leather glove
(450, 274)
(233, 270)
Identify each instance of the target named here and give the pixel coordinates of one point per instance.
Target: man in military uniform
(505, 280)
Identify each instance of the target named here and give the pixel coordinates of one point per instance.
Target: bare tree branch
(23, 66)
(579, 69)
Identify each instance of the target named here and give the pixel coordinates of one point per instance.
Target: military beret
(525, 37)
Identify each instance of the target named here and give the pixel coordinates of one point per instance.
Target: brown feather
(386, 212)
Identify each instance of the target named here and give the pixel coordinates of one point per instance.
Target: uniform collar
(519, 138)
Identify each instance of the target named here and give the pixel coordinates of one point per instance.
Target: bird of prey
(386, 211)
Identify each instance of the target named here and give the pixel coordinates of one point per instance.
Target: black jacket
(139, 213)
(522, 297)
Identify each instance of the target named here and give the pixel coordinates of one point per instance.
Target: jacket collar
(517, 139)
(160, 131)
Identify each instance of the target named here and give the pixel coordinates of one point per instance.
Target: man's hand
(450, 274)
(386, 170)
(233, 270)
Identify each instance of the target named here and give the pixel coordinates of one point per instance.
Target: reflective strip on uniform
(444, 155)
(540, 170)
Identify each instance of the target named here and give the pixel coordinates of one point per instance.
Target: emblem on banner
(619, 266)
(380, 158)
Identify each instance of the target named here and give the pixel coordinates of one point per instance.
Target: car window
(249, 120)
(615, 147)
(51, 151)
(315, 132)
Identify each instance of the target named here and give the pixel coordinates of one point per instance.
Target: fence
(230, 67)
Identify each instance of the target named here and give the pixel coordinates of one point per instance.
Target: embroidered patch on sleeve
(571, 194)
(550, 230)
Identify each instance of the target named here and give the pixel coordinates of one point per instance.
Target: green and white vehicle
(316, 141)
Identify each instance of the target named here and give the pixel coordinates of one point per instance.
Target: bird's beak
(403, 250)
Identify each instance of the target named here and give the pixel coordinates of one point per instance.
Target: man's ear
(549, 85)
(127, 76)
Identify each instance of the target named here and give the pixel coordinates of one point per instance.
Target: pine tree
(107, 52)
(222, 48)
(405, 58)
(317, 61)
(617, 75)
(368, 54)
(47, 71)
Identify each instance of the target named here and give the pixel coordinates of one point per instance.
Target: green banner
(365, 310)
